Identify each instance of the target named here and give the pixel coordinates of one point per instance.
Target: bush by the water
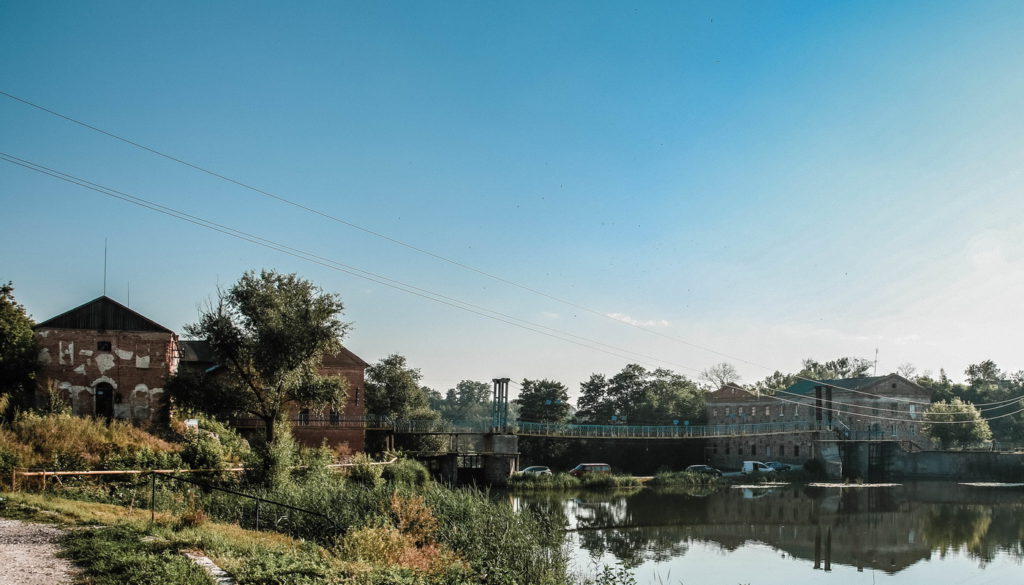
(564, 481)
(407, 471)
(683, 479)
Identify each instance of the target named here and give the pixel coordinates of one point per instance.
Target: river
(914, 533)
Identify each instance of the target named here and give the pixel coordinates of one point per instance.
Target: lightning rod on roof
(875, 373)
(104, 266)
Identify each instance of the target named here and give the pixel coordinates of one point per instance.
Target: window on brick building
(796, 450)
(728, 410)
(782, 410)
(102, 346)
(304, 416)
(767, 411)
(741, 411)
(741, 450)
(753, 450)
(714, 412)
(335, 417)
(782, 450)
(727, 449)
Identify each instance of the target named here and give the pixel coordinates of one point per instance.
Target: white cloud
(648, 323)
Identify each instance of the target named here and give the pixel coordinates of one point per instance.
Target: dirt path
(28, 555)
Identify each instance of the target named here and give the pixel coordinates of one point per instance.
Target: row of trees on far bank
(269, 332)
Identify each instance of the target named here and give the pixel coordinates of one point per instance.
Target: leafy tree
(719, 375)
(543, 401)
(19, 352)
(956, 423)
(987, 372)
(393, 390)
(844, 367)
(636, 395)
(269, 333)
(467, 401)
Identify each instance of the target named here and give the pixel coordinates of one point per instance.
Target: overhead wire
(405, 287)
(895, 419)
(375, 233)
(424, 251)
(333, 264)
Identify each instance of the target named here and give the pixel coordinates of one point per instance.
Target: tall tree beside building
(956, 424)
(19, 353)
(269, 333)
(543, 401)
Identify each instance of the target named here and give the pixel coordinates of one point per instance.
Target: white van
(752, 466)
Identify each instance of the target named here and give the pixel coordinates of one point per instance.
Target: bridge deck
(557, 430)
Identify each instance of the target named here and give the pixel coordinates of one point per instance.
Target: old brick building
(311, 428)
(878, 407)
(111, 362)
(107, 360)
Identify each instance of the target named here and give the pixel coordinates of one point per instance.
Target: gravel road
(28, 555)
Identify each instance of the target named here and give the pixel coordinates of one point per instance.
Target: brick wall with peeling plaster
(136, 365)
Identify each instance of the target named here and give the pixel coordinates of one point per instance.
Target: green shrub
(364, 472)
(407, 471)
(683, 479)
(270, 465)
(535, 482)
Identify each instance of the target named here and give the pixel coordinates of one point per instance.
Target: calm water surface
(915, 533)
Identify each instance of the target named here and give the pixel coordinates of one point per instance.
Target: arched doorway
(104, 394)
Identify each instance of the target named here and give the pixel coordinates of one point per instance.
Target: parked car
(536, 470)
(705, 469)
(778, 465)
(586, 468)
(752, 466)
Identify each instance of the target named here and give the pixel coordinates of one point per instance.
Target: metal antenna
(875, 373)
(104, 266)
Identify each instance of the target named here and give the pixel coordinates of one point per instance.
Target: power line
(1002, 404)
(426, 252)
(332, 264)
(375, 233)
(908, 420)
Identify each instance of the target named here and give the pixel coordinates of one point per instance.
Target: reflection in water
(884, 529)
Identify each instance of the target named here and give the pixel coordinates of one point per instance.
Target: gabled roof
(344, 358)
(198, 351)
(102, 314)
(806, 387)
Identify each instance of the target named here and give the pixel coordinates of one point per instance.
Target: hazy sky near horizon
(769, 180)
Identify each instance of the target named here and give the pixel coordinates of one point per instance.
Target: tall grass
(62, 441)
(684, 479)
(566, 482)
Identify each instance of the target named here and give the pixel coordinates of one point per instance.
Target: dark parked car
(778, 465)
(706, 469)
(585, 468)
(536, 470)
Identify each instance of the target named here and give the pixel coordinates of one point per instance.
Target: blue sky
(773, 181)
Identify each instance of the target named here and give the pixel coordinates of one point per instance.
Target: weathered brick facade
(882, 407)
(109, 361)
(329, 426)
(103, 371)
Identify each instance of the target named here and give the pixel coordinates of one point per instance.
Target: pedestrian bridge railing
(547, 429)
